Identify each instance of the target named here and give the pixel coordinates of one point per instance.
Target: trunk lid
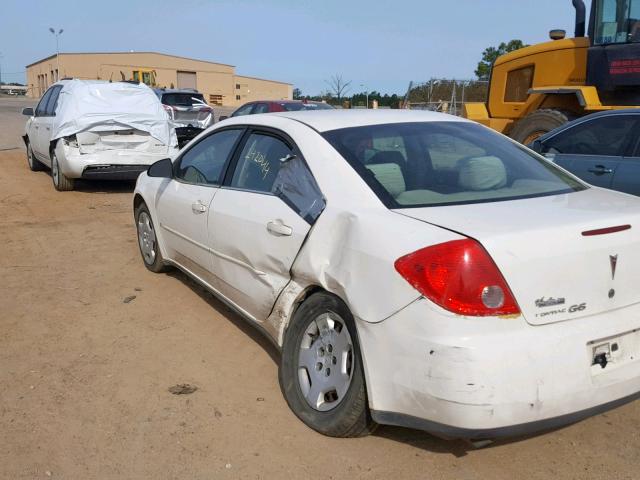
(129, 139)
(555, 272)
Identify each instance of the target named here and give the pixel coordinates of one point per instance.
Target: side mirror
(27, 111)
(222, 117)
(161, 169)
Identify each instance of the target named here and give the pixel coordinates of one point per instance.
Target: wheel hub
(146, 238)
(325, 362)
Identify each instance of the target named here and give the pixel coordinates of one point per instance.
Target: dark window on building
(237, 86)
(518, 84)
(237, 97)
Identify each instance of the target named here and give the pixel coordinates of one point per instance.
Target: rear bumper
(450, 432)
(113, 172)
(482, 378)
(107, 163)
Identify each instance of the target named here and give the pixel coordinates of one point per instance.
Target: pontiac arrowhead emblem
(614, 263)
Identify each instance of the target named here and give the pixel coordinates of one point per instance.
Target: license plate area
(610, 353)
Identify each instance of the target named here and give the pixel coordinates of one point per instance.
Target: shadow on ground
(415, 438)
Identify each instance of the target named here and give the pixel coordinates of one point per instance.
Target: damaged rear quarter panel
(353, 245)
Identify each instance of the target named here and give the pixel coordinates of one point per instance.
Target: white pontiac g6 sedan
(414, 268)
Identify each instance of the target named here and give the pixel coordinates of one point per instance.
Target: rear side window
(260, 162)
(261, 108)
(204, 163)
(244, 110)
(268, 164)
(445, 163)
(518, 84)
(600, 136)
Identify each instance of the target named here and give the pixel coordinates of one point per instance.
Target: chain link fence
(445, 95)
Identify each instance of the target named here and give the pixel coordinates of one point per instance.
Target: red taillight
(461, 277)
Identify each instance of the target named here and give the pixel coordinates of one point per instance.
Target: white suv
(97, 130)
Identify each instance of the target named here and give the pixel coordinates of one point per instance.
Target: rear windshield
(297, 106)
(182, 99)
(446, 163)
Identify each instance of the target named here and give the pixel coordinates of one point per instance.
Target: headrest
(387, 156)
(482, 173)
(390, 177)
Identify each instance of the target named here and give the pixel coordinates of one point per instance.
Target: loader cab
(613, 64)
(146, 76)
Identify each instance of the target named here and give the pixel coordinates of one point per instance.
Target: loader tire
(537, 124)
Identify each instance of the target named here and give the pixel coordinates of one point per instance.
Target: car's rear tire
(148, 240)
(34, 164)
(321, 373)
(60, 181)
(537, 124)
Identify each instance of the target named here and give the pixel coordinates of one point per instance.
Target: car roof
(608, 113)
(326, 120)
(176, 90)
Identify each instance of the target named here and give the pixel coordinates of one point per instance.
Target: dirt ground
(90, 343)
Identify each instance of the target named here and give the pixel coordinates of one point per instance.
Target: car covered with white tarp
(95, 129)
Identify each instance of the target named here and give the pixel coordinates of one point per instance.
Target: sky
(376, 45)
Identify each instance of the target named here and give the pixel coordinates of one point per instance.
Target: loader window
(518, 84)
(617, 21)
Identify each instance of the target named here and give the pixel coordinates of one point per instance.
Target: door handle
(198, 207)
(600, 170)
(279, 229)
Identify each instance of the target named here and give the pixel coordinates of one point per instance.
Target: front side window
(259, 163)
(41, 109)
(204, 163)
(606, 136)
(617, 21)
(445, 163)
(52, 103)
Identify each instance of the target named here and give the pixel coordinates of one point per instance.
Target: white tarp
(93, 105)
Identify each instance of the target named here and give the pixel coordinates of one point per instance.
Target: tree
(297, 94)
(338, 86)
(491, 54)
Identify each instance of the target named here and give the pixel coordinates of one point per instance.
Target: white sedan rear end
(414, 268)
(93, 129)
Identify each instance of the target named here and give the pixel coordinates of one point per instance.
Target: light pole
(1, 57)
(366, 92)
(57, 35)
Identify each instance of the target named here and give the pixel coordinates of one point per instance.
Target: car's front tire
(321, 373)
(148, 240)
(34, 164)
(60, 181)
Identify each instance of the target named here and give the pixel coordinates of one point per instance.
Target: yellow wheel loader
(538, 88)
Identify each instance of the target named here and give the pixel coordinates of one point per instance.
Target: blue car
(603, 149)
